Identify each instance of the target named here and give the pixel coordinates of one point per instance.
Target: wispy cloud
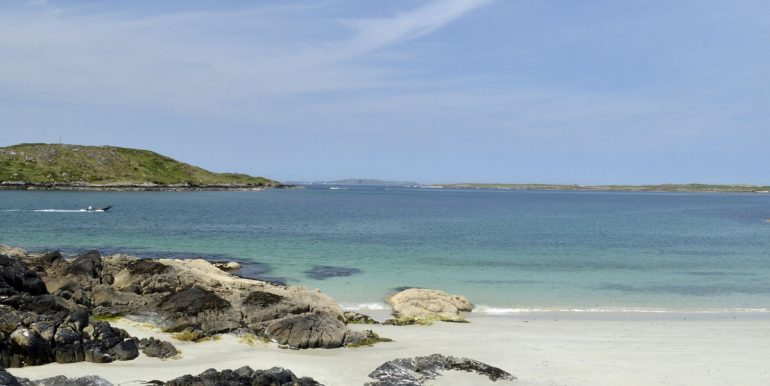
(216, 61)
(373, 34)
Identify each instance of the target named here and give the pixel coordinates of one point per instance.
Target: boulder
(87, 264)
(309, 330)
(243, 376)
(418, 305)
(15, 277)
(157, 348)
(422, 370)
(125, 350)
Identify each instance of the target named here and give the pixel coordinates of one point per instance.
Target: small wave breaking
(365, 307)
(489, 310)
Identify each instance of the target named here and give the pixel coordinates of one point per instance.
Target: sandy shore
(539, 348)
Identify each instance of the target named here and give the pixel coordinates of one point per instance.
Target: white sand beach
(539, 348)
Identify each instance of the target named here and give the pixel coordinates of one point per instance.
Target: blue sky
(591, 92)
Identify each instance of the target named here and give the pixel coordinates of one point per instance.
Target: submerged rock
(243, 376)
(322, 272)
(419, 370)
(419, 305)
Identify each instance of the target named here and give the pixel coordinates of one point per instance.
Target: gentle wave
(482, 309)
(365, 307)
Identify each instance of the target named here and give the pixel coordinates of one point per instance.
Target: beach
(538, 348)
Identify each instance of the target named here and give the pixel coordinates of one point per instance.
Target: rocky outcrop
(420, 370)
(38, 327)
(244, 376)
(423, 306)
(193, 297)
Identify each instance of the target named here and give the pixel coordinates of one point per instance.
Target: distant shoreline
(662, 188)
(135, 187)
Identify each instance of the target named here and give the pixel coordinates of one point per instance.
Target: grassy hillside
(73, 164)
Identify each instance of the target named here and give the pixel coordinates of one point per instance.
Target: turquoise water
(504, 250)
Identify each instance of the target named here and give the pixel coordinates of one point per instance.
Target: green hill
(68, 165)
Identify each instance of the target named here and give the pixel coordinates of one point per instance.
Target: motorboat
(92, 209)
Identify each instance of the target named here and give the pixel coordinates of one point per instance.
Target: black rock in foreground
(419, 370)
(244, 376)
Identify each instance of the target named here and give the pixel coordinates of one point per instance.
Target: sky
(435, 91)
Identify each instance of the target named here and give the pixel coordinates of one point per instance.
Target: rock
(61, 380)
(68, 346)
(363, 338)
(356, 318)
(15, 277)
(96, 352)
(103, 295)
(244, 376)
(51, 258)
(309, 330)
(125, 350)
(6, 379)
(13, 252)
(193, 301)
(227, 266)
(417, 305)
(145, 276)
(420, 370)
(29, 348)
(88, 264)
(157, 348)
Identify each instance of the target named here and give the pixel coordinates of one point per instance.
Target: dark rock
(244, 376)
(419, 370)
(15, 277)
(96, 352)
(29, 349)
(261, 299)
(146, 267)
(51, 258)
(308, 330)
(157, 348)
(107, 279)
(61, 380)
(125, 350)
(67, 346)
(6, 379)
(322, 272)
(193, 301)
(88, 264)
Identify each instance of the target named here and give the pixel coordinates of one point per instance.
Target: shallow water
(506, 250)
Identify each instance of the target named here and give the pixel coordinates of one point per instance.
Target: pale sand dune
(540, 349)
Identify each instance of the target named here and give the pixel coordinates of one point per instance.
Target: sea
(508, 251)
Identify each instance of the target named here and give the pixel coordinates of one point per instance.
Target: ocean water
(505, 250)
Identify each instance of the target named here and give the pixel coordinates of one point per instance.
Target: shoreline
(540, 350)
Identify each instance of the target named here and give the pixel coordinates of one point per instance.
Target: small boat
(92, 209)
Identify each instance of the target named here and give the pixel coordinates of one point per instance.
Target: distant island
(625, 188)
(74, 167)
(360, 181)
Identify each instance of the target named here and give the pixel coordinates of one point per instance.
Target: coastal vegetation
(62, 166)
